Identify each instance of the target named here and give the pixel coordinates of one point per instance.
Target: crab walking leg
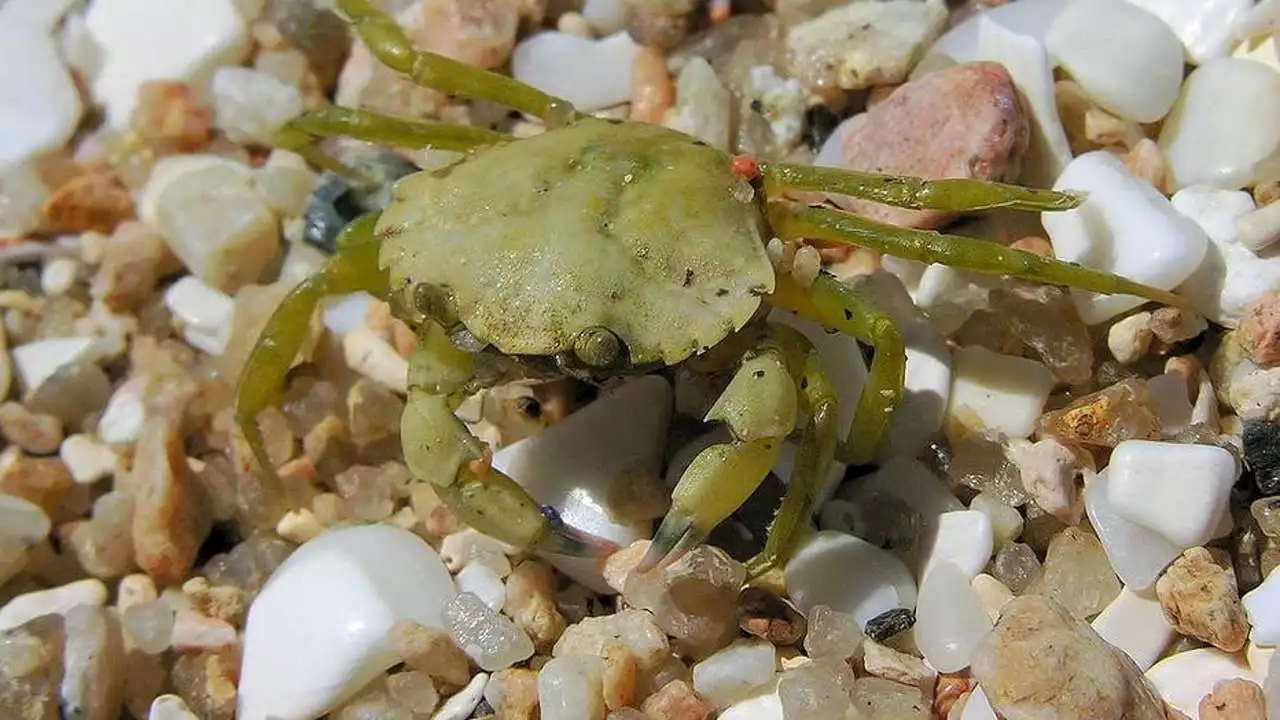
(304, 132)
(440, 449)
(353, 268)
(790, 220)
(759, 407)
(953, 194)
(388, 43)
(813, 459)
(836, 306)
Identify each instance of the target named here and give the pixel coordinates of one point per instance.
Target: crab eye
(597, 347)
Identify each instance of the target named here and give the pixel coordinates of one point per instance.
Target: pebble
(1225, 126)
(170, 707)
(1076, 574)
(1048, 472)
(1006, 520)
(1185, 678)
(950, 622)
(37, 361)
(590, 74)
(735, 672)
(819, 574)
(1040, 661)
(1262, 604)
(890, 664)
(168, 522)
(1130, 338)
(1124, 58)
(59, 275)
(93, 664)
(702, 105)
(1235, 699)
(577, 465)
(767, 616)
(1204, 28)
(966, 121)
(202, 314)
(991, 593)
(1124, 226)
(1176, 489)
(962, 538)
(832, 634)
(1232, 277)
(42, 105)
(765, 706)
(879, 699)
(212, 218)
(375, 358)
(862, 44)
(1136, 624)
(59, 600)
(1259, 229)
(250, 106)
(635, 629)
(1016, 566)
(1137, 554)
(125, 413)
(570, 688)
(144, 40)
(1201, 601)
(490, 639)
(816, 690)
(343, 591)
(31, 668)
(464, 703)
(1002, 395)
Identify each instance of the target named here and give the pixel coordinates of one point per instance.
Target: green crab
(599, 249)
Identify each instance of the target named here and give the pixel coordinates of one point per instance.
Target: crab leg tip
(675, 537)
(564, 540)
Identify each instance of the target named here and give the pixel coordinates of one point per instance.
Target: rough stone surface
(1041, 662)
(1200, 600)
(1234, 699)
(31, 668)
(964, 122)
(167, 523)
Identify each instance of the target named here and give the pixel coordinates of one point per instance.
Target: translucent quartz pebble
(950, 622)
(832, 634)
(317, 633)
(736, 672)
(816, 691)
(1016, 565)
(1077, 574)
(488, 638)
(569, 688)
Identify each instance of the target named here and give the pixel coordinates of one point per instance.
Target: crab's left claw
(562, 539)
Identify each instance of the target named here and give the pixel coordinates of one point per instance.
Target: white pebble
(1124, 226)
(346, 313)
(1136, 624)
(299, 526)
(1231, 277)
(373, 357)
(590, 74)
(1184, 679)
(1179, 490)
(950, 622)
(606, 16)
(201, 313)
(1001, 394)
(1048, 472)
(37, 361)
(963, 539)
(702, 105)
(459, 549)
(250, 105)
(125, 414)
(1260, 228)
(577, 465)
(145, 40)
(481, 581)
(735, 673)
(1137, 554)
(59, 275)
(194, 632)
(1130, 338)
(41, 103)
(1124, 58)
(848, 574)
(461, 705)
(1225, 128)
(134, 590)
(88, 460)
(317, 633)
(170, 707)
(1169, 402)
(1203, 26)
(569, 688)
(991, 593)
(1262, 604)
(907, 480)
(59, 600)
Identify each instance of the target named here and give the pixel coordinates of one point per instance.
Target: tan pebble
(1106, 130)
(948, 691)
(619, 676)
(1266, 193)
(431, 651)
(193, 631)
(1234, 699)
(42, 481)
(1259, 331)
(900, 667)
(207, 681)
(676, 701)
(573, 23)
(224, 602)
(513, 694)
(135, 259)
(93, 247)
(1260, 228)
(530, 601)
(992, 594)
(168, 524)
(652, 92)
(1048, 472)
(58, 276)
(329, 508)
(169, 118)
(1033, 244)
(133, 590)
(95, 200)
(1187, 367)
(1200, 600)
(1129, 339)
(620, 564)
(36, 434)
(299, 526)
(376, 359)
(1146, 162)
(1174, 325)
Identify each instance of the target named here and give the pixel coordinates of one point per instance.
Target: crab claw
(676, 536)
(562, 539)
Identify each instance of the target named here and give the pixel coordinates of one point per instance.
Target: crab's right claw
(562, 539)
